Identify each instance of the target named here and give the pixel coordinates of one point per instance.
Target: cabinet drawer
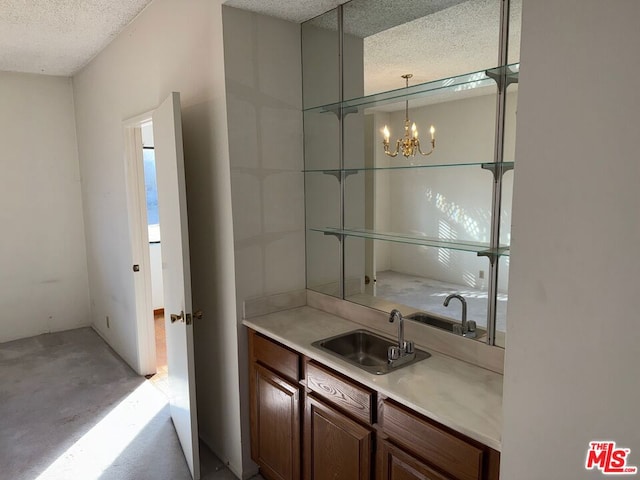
(353, 399)
(395, 464)
(431, 442)
(274, 356)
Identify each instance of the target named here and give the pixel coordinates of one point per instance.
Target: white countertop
(459, 395)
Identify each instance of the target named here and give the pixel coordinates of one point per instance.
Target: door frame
(139, 240)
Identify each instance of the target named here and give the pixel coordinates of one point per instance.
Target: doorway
(144, 214)
(177, 305)
(160, 378)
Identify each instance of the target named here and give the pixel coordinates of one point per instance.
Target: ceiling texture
(429, 38)
(296, 11)
(59, 37)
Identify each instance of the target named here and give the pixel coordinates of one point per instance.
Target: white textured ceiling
(462, 38)
(293, 10)
(58, 37)
(431, 39)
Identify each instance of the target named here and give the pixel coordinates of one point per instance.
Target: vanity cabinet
(310, 422)
(417, 447)
(275, 408)
(395, 464)
(336, 446)
(338, 432)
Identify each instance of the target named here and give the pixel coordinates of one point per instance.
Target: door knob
(197, 314)
(175, 317)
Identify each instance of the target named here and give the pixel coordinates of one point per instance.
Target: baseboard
(158, 311)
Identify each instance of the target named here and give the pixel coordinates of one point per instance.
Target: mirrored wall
(405, 231)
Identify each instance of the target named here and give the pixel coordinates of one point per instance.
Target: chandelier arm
(388, 152)
(409, 144)
(433, 146)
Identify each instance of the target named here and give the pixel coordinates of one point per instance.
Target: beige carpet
(70, 409)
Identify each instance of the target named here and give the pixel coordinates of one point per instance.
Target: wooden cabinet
(437, 448)
(321, 425)
(355, 400)
(396, 464)
(275, 409)
(338, 435)
(336, 447)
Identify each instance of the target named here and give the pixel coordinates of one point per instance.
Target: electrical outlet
(481, 274)
(107, 317)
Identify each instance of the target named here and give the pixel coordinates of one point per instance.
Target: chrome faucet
(396, 315)
(468, 328)
(404, 351)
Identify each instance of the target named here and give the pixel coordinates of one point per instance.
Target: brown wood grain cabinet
(275, 409)
(396, 464)
(310, 422)
(450, 453)
(336, 447)
(354, 399)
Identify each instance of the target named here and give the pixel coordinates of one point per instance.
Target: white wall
(174, 45)
(43, 269)
(264, 108)
(574, 342)
(155, 264)
(452, 203)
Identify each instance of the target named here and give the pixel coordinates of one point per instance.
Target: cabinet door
(336, 447)
(395, 464)
(275, 425)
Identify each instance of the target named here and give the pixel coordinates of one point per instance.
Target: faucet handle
(393, 353)
(408, 347)
(471, 325)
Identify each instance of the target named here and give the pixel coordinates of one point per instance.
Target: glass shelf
(468, 81)
(333, 171)
(481, 248)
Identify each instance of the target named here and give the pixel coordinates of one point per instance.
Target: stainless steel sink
(365, 350)
(441, 323)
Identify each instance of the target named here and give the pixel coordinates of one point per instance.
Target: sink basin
(441, 323)
(365, 350)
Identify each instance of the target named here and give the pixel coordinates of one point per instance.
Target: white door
(176, 274)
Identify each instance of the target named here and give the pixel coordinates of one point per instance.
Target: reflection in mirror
(321, 141)
(322, 208)
(321, 60)
(515, 19)
(442, 204)
(323, 263)
(503, 296)
(413, 226)
(431, 40)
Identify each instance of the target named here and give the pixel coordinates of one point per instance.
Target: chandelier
(409, 144)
